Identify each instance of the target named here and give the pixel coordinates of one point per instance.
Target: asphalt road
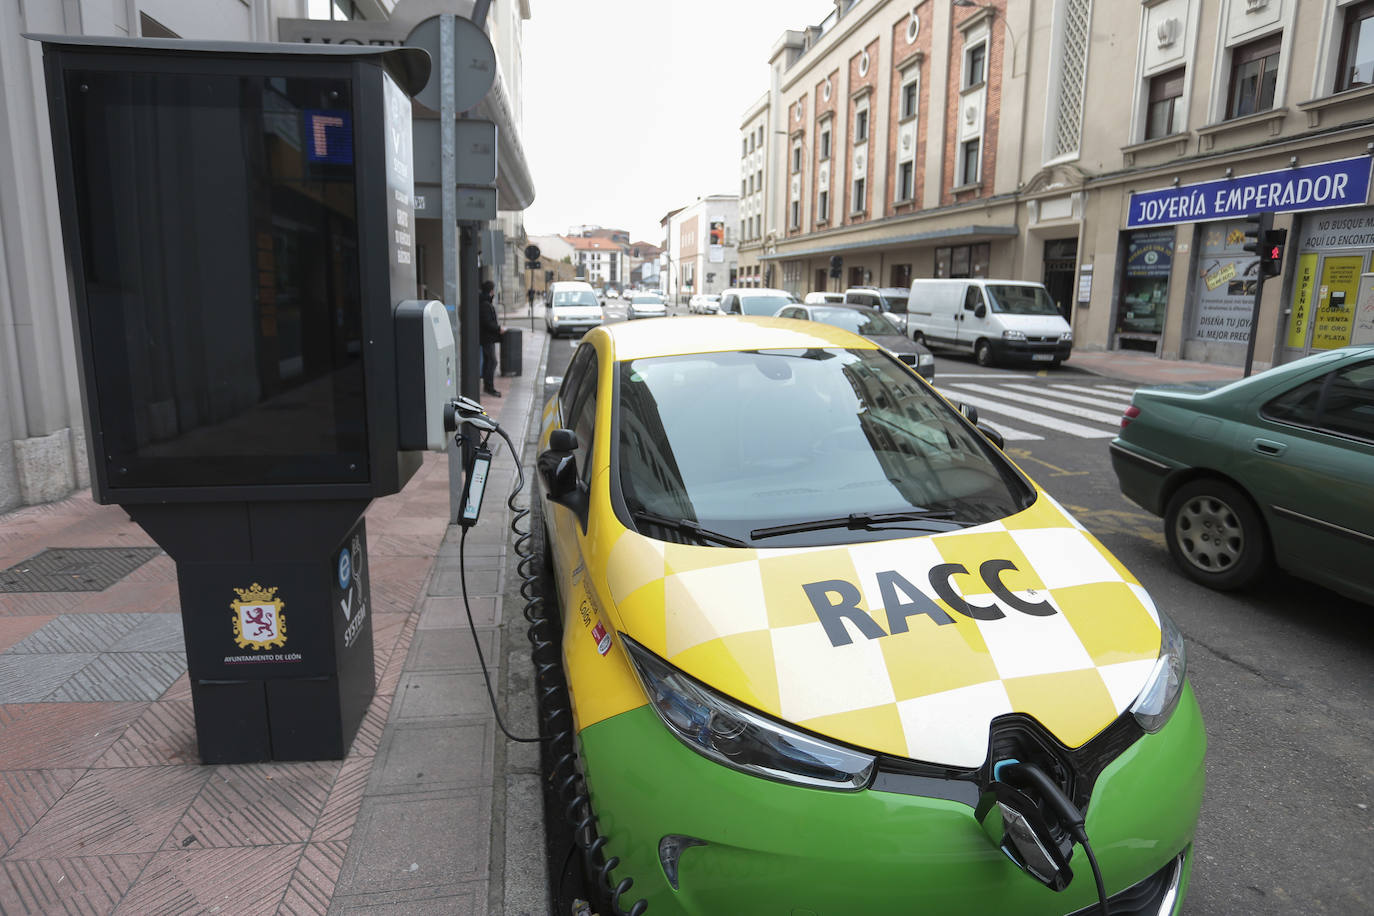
(1284, 673)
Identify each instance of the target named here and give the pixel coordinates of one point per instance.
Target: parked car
(751, 301)
(646, 305)
(1276, 469)
(995, 320)
(889, 299)
(829, 651)
(872, 325)
(819, 298)
(572, 308)
(704, 303)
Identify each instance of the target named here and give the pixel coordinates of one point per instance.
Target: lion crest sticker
(259, 621)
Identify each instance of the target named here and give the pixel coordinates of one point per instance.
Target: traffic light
(1254, 227)
(1271, 252)
(836, 263)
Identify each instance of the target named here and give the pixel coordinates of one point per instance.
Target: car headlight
(730, 734)
(1014, 335)
(1156, 702)
(1066, 337)
(926, 359)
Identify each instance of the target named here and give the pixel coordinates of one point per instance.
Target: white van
(572, 308)
(995, 320)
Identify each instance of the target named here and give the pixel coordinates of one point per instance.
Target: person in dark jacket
(489, 335)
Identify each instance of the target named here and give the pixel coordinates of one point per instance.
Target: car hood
(895, 343)
(906, 673)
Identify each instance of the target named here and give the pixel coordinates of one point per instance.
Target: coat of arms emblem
(258, 619)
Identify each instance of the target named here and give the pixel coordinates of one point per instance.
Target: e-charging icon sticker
(345, 568)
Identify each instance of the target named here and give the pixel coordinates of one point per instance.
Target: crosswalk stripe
(1099, 390)
(945, 375)
(1030, 416)
(1074, 394)
(1072, 410)
(1011, 433)
(1119, 388)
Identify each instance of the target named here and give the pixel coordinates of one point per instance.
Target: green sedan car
(1276, 469)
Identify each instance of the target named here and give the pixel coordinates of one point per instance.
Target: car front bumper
(773, 848)
(1032, 351)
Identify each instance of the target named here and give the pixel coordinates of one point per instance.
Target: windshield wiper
(855, 521)
(686, 526)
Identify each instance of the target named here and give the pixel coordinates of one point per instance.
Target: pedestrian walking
(489, 335)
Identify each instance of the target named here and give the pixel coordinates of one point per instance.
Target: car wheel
(1215, 534)
(982, 353)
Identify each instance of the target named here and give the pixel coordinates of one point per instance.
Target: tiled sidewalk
(104, 806)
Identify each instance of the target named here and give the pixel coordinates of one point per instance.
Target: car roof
(757, 291)
(717, 334)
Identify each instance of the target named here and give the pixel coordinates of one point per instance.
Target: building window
(861, 124)
(825, 143)
(743, 187)
(975, 59)
(1254, 74)
(909, 99)
(744, 147)
(900, 276)
(968, 161)
(906, 181)
(1166, 96)
(823, 207)
(796, 158)
(1070, 56)
(859, 203)
(962, 261)
(1357, 47)
(795, 222)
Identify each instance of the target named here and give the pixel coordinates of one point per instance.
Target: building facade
(599, 260)
(1067, 141)
(43, 453)
(703, 254)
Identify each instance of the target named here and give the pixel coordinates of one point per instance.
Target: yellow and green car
(829, 651)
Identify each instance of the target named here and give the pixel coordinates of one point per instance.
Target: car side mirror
(558, 470)
(993, 436)
(969, 411)
(980, 312)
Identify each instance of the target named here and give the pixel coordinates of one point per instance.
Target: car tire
(982, 353)
(1215, 534)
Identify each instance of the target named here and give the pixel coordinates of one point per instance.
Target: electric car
(829, 651)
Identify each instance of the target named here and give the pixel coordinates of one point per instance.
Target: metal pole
(1254, 321)
(468, 362)
(448, 166)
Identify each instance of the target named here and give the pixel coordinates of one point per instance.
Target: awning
(966, 233)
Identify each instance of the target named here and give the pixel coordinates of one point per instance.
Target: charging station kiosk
(238, 225)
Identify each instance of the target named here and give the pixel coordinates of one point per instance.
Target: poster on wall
(1225, 284)
(715, 251)
(1335, 318)
(1303, 285)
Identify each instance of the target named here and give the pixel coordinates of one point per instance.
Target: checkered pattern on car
(739, 620)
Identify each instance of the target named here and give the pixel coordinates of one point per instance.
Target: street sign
(474, 146)
(532, 252)
(473, 203)
(474, 60)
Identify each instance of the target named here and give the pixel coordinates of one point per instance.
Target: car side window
(1340, 402)
(581, 414)
(731, 304)
(793, 313)
(973, 298)
(577, 367)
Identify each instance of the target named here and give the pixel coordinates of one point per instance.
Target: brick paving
(104, 805)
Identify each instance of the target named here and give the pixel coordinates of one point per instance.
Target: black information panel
(239, 357)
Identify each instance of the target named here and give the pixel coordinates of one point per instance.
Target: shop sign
(1339, 183)
(1150, 254)
(1353, 229)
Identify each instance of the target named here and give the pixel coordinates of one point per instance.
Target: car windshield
(763, 305)
(647, 300)
(896, 302)
(742, 440)
(575, 297)
(861, 321)
(1020, 300)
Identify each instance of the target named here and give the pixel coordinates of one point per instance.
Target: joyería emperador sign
(1339, 183)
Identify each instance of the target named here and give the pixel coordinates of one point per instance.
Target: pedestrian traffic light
(1271, 252)
(836, 263)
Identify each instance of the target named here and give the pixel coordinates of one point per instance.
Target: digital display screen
(221, 266)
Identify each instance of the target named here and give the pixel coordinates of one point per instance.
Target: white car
(611, 293)
(572, 308)
(755, 301)
(646, 305)
(819, 298)
(704, 303)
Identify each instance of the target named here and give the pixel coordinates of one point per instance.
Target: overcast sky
(632, 107)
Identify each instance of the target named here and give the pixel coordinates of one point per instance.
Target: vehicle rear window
(795, 435)
(865, 322)
(764, 305)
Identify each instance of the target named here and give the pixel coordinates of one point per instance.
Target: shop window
(1166, 103)
(1356, 66)
(1254, 76)
(1149, 256)
(900, 276)
(962, 261)
(821, 278)
(856, 276)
